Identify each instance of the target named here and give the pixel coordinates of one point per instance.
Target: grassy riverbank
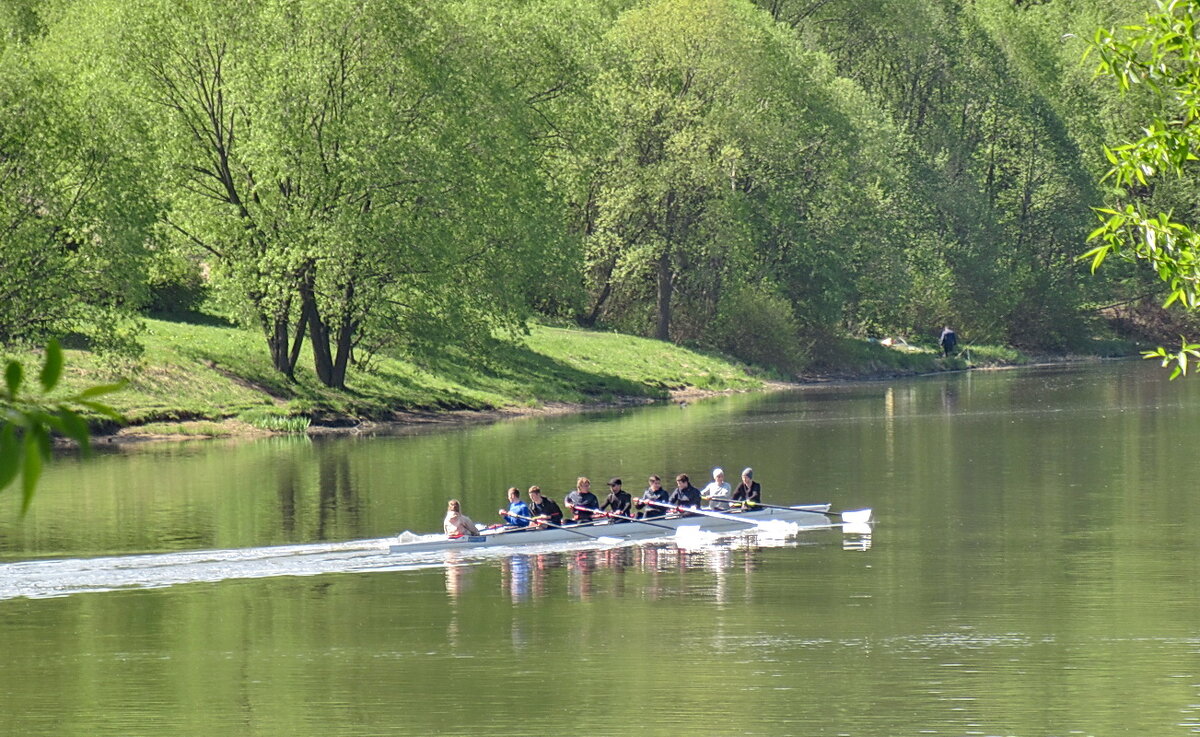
(206, 380)
(209, 380)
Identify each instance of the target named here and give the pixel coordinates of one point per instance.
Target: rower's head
(747, 475)
(535, 493)
(454, 506)
(682, 480)
(514, 494)
(583, 483)
(655, 482)
(718, 475)
(614, 483)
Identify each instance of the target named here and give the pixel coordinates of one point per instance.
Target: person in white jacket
(716, 490)
(456, 523)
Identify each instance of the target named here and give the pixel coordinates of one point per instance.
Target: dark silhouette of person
(948, 341)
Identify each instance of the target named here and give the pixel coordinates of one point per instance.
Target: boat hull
(812, 515)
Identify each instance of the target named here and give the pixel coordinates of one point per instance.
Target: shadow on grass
(518, 371)
(459, 378)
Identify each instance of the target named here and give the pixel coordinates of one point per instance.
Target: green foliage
(1159, 54)
(363, 180)
(355, 173)
(73, 211)
(274, 421)
(755, 324)
(28, 416)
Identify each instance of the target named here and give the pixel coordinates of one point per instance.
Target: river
(1032, 571)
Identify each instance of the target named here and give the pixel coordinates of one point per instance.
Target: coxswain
(749, 492)
(618, 500)
(717, 490)
(653, 493)
(517, 514)
(456, 523)
(685, 495)
(583, 497)
(543, 508)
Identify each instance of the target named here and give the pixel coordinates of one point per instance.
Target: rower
(543, 508)
(685, 495)
(456, 523)
(582, 496)
(517, 514)
(749, 492)
(717, 490)
(618, 501)
(653, 493)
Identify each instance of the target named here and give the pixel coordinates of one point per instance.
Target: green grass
(850, 358)
(209, 373)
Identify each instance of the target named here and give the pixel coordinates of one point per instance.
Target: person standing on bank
(717, 490)
(517, 514)
(948, 341)
(456, 523)
(749, 492)
(581, 497)
(543, 508)
(618, 501)
(685, 495)
(653, 493)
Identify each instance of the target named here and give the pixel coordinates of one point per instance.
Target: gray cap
(748, 472)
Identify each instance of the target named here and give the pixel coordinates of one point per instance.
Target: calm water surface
(1032, 572)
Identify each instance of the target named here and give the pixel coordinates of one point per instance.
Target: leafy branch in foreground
(1162, 56)
(29, 416)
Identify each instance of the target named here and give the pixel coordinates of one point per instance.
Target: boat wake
(40, 579)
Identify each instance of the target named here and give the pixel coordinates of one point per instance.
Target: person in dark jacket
(653, 493)
(948, 341)
(543, 508)
(581, 497)
(685, 495)
(749, 492)
(618, 501)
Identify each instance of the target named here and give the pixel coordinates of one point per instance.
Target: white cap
(718, 472)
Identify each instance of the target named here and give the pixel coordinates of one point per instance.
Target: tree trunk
(666, 284)
(298, 340)
(589, 320)
(318, 332)
(278, 341)
(345, 342)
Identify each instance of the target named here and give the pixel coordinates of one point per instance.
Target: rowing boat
(612, 532)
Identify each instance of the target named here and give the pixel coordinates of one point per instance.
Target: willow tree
(350, 168)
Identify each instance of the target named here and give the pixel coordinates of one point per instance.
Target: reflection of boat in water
(612, 532)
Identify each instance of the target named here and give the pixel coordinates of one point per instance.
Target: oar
(627, 518)
(705, 512)
(602, 538)
(852, 516)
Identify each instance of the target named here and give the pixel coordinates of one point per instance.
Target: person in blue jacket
(517, 514)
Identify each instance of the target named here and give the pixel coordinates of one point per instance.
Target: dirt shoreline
(404, 422)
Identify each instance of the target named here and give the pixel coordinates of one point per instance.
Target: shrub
(756, 324)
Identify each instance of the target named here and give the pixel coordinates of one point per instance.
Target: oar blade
(857, 516)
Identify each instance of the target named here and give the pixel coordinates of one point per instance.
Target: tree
(74, 214)
(352, 169)
(1159, 55)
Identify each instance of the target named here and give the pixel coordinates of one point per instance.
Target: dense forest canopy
(355, 176)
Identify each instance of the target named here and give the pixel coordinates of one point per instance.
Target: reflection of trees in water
(336, 489)
(287, 489)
